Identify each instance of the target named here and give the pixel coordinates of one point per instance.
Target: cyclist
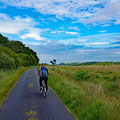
(43, 72)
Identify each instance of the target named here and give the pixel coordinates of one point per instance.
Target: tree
(53, 62)
(8, 58)
(16, 52)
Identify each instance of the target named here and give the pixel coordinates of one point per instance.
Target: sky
(65, 30)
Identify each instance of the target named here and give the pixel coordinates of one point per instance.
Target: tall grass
(90, 92)
(8, 79)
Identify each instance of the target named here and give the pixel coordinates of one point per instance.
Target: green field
(90, 92)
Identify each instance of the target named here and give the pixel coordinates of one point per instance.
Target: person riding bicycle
(43, 72)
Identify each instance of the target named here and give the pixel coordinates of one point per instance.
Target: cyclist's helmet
(43, 64)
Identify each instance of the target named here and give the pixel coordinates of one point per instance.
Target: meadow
(90, 92)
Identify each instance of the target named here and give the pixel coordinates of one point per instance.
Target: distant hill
(90, 63)
(15, 53)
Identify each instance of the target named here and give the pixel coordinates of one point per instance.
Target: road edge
(64, 104)
(16, 78)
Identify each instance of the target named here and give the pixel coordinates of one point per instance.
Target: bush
(15, 53)
(8, 58)
(112, 89)
(24, 59)
(82, 75)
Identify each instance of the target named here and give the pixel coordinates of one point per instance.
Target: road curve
(25, 102)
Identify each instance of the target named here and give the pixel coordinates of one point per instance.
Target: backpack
(43, 72)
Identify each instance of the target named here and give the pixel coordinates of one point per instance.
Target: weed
(32, 118)
(30, 85)
(31, 113)
(30, 76)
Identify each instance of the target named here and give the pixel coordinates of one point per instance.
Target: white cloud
(85, 11)
(103, 31)
(95, 41)
(105, 25)
(60, 31)
(32, 43)
(77, 41)
(109, 14)
(98, 43)
(56, 31)
(16, 24)
(117, 52)
(99, 40)
(113, 1)
(74, 28)
(65, 32)
(61, 8)
(34, 35)
(88, 50)
(72, 33)
(117, 22)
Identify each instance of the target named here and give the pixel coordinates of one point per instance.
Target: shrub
(112, 89)
(82, 75)
(8, 58)
(26, 59)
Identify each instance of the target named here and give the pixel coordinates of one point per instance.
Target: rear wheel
(44, 92)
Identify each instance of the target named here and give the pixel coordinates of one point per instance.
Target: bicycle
(43, 87)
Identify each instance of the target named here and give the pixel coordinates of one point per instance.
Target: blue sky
(66, 30)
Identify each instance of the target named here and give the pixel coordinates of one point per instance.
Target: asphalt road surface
(25, 102)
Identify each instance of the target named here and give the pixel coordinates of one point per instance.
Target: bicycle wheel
(44, 93)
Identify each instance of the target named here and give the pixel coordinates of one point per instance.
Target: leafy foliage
(15, 53)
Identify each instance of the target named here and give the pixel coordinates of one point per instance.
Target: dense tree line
(15, 53)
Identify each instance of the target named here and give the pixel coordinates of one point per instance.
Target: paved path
(25, 102)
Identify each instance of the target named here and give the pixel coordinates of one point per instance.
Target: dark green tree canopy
(15, 53)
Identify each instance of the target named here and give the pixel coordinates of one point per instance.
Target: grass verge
(7, 81)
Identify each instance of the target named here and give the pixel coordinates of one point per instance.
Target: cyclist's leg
(46, 79)
(40, 81)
